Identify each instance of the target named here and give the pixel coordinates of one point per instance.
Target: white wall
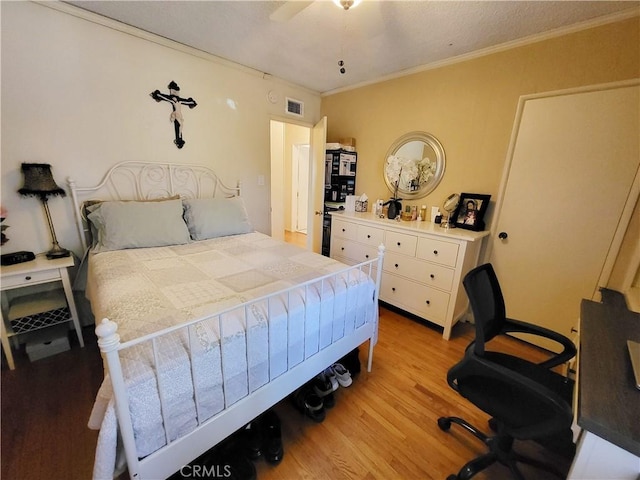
(75, 94)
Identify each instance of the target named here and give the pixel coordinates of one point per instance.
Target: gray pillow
(122, 224)
(216, 217)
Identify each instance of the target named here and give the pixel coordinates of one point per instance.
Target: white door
(574, 158)
(316, 186)
(300, 188)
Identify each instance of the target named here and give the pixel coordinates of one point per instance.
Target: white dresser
(423, 266)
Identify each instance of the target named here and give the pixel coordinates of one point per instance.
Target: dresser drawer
(343, 229)
(401, 243)
(427, 302)
(444, 253)
(341, 247)
(422, 272)
(22, 280)
(370, 235)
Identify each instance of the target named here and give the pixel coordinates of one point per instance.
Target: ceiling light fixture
(347, 4)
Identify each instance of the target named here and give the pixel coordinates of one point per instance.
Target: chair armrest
(569, 349)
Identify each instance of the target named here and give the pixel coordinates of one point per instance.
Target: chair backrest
(487, 304)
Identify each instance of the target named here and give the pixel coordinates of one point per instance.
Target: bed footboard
(281, 341)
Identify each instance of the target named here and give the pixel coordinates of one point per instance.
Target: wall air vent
(294, 107)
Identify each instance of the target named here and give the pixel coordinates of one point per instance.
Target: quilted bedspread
(149, 289)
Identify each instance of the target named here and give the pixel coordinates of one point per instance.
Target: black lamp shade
(38, 181)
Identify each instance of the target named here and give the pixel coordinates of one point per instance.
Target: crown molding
(558, 32)
(163, 41)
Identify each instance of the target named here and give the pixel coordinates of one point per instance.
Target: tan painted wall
(470, 106)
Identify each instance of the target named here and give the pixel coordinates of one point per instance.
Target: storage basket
(46, 343)
(29, 313)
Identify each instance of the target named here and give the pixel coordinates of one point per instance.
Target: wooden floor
(45, 408)
(382, 427)
(297, 238)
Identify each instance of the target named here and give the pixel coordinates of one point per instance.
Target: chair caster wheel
(445, 424)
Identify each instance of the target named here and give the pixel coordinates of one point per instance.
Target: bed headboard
(148, 181)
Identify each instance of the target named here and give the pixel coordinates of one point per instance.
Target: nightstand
(36, 272)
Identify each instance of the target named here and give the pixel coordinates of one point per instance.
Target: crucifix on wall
(174, 98)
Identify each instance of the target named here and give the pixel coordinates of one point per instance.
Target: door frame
(630, 203)
(276, 188)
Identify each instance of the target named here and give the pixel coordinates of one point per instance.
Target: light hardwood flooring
(385, 425)
(297, 238)
(382, 427)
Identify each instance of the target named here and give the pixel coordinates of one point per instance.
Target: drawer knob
(343, 230)
(432, 276)
(396, 265)
(342, 248)
(393, 289)
(435, 252)
(368, 236)
(398, 243)
(28, 277)
(366, 256)
(428, 302)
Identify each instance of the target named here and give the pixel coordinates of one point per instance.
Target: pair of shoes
(262, 437)
(309, 403)
(230, 461)
(323, 388)
(341, 374)
(331, 376)
(226, 460)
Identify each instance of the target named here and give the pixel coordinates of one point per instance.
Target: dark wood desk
(608, 402)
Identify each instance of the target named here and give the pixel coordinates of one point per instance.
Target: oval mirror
(414, 165)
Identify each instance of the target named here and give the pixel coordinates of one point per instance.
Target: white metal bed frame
(147, 181)
(144, 180)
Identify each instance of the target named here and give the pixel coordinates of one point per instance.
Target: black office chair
(527, 401)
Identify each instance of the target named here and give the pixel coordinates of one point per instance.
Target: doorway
(290, 167)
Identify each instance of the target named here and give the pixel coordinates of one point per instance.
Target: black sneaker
(323, 388)
(252, 439)
(308, 403)
(271, 437)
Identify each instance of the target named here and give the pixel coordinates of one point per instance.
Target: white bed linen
(146, 290)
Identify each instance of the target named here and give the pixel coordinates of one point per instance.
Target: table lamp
(39, 182)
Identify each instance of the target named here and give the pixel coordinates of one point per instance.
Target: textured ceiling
(376, 39)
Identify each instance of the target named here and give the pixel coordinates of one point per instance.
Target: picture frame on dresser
(471, 210)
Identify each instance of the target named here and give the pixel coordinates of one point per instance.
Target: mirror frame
(438, 170)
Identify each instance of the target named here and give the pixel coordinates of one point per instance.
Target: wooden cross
(175, 100)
